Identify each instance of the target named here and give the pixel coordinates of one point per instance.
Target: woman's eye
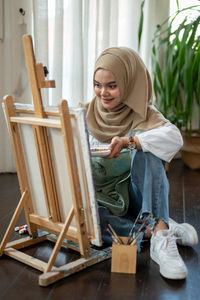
(112, 86)
(97, 85)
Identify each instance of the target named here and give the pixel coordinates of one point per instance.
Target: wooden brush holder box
(124, 257)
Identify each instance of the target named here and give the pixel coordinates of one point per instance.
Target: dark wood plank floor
(18, 281)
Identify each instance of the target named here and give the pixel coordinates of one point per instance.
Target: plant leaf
(141, 23)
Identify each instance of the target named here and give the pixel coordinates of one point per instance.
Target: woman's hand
(116, 145)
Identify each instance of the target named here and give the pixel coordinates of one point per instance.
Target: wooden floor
(18, 281)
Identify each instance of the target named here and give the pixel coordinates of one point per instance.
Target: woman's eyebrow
(111, 82)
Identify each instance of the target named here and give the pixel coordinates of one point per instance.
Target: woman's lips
(107, 100)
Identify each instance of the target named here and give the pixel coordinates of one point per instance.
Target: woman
(122, 116)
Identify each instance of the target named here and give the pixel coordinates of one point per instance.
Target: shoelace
(169, 243)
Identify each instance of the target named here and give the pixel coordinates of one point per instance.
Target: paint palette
(100, 151)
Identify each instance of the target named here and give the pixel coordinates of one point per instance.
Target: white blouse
(164, 141)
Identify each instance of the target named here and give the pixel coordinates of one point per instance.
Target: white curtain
(13, 75)
(68, 36)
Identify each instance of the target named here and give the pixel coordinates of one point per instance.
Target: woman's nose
(104, 91)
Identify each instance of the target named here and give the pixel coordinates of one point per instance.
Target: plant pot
(190, 152)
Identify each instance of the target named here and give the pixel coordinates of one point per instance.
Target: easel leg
(59, 241)
(13, 222)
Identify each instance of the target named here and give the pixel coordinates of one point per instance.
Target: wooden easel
(78, 238)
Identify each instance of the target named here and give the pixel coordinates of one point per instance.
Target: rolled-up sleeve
(164, 141)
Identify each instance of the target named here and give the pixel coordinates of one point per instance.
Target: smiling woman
(105, 87)
(132, 177)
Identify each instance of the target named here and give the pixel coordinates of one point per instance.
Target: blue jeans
(149, 186)
(148, 190)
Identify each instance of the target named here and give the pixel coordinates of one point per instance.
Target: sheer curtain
(68, 36)
(13, 74)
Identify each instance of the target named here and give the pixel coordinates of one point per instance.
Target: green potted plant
(176, 79)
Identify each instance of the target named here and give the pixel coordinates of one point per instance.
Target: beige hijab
(135, 110)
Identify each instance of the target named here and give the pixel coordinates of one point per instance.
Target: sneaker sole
(166, 274)
(193, 233)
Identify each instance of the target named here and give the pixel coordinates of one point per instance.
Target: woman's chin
(107, 105)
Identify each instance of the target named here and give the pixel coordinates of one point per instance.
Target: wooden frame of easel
(77, 238)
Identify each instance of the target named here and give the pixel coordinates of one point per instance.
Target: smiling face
(105, 87)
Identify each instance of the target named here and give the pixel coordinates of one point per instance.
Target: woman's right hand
(119, 143)
(116, 146)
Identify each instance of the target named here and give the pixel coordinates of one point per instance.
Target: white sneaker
(164, 252)
(185, 233)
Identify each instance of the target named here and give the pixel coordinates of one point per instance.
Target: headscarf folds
(135, 110)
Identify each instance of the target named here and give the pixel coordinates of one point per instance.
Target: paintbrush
(106, 228)
(142, 227)
(136, 239)
(114, 233)
(133, 227)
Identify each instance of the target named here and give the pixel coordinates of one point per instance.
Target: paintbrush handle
(133, 227)
(114, 233)
(136, 239)
(143, 224)
(112, 236)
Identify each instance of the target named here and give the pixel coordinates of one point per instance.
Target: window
(183, 4)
